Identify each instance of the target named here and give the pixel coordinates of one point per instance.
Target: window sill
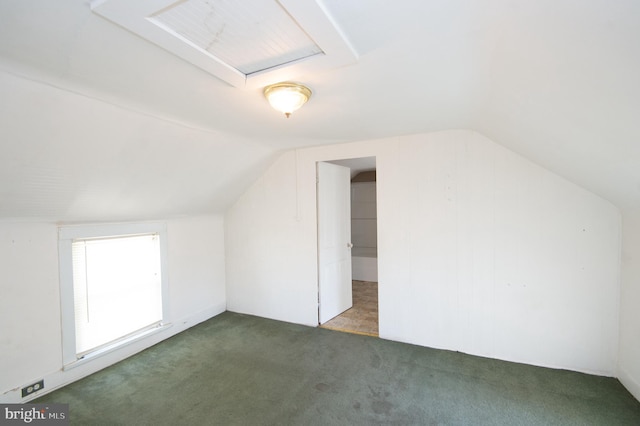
(115, 346)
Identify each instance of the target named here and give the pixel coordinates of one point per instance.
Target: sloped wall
(480, 251)
(72, 158)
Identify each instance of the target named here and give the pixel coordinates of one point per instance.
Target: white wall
(480, 251)
(629, 366)
(196, 266)
(268, 273)
(30, 336)
(496, 256)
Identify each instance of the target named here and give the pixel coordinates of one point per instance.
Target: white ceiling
(556, 81)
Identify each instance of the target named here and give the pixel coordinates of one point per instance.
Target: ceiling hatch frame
(139, 17)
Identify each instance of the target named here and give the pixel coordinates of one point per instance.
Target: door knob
(349, 245)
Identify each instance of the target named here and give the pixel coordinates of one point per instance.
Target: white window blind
(117, 288)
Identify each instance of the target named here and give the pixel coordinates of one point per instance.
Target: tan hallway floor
(362, 317)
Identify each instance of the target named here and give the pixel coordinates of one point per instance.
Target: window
(112, 285)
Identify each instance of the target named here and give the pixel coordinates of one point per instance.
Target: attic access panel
(249, 43)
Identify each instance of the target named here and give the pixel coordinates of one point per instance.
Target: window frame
(66, 236)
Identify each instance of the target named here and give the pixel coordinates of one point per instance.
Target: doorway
(362, 316)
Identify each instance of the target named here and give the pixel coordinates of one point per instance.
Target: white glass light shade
(287, 97)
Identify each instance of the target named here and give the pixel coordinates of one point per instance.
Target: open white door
(334, 241)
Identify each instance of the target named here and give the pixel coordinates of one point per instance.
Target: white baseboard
(63, 377)
(629, 382)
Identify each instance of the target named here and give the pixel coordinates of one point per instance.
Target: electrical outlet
(28, 390)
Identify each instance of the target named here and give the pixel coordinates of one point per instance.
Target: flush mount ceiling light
(287, 97)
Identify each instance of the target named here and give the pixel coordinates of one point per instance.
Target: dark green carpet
(242, 370)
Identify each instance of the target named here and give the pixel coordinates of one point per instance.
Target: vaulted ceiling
(97, 123)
